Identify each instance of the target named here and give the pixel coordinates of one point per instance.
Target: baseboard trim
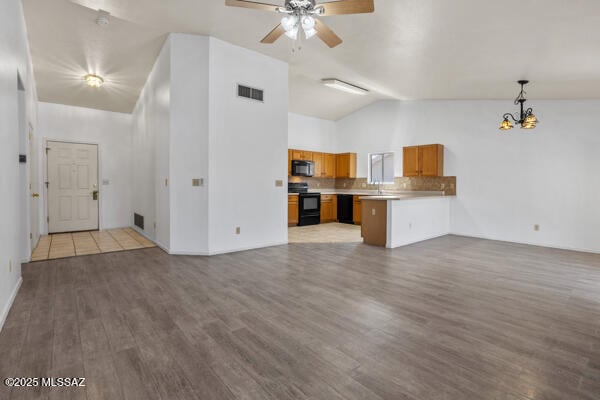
(422, 240)
(10, 303)
(547, 246)
(226, 251)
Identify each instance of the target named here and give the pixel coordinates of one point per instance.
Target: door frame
(34, 218)
(45, 178)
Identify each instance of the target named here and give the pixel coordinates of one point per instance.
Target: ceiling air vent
(250, 93)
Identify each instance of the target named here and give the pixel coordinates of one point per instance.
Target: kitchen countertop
(372, 194)
(416, 195)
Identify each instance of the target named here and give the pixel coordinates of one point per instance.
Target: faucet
(379, 191)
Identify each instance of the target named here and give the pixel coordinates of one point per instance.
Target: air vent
(138, 220)
(250, 93)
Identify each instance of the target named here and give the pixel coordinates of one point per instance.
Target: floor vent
(138, 220)
(250, 93)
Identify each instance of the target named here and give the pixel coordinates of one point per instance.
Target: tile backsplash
(447, 184)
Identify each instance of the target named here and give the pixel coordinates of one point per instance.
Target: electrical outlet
(536, 227)
(9, 265)
(237, 230)
(443, 186)
(373, 211)
(155, 226)
(166, 182)
(364, 185)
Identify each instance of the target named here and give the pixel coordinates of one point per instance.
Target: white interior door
(72, 187)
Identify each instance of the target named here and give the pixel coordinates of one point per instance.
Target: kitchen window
(381, 168)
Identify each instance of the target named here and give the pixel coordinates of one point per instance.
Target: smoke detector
(103, 18)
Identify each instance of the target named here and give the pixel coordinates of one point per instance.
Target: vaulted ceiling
(407, 49)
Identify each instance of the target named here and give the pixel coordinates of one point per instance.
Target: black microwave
(303, 168)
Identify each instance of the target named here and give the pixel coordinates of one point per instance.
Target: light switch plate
(197, 182)
(105, 182)
(278, 183)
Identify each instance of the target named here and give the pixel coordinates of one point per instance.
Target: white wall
(248, 150)
(190, 114)
(112, 132)
(189, 142)
(150, 153)
(15, 56)
(309, 133)
(506, 182)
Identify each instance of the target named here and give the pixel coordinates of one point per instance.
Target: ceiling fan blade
(252, 4)
(274, 34)
(347, 7)
(326, 34)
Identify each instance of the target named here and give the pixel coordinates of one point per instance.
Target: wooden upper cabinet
(346, 165)
(302, 155)
(410, 161)
(432, 160)
(329, 164)
(317, 158)
(427, 160)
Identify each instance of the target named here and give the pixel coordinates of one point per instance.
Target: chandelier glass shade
(524, 117)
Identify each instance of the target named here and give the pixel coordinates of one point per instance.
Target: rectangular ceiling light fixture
(344, 86)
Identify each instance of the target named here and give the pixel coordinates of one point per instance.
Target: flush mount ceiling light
(344, 86)
(525, 117)
(300, 17)
(94, 80)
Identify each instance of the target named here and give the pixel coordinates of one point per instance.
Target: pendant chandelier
(525, 117)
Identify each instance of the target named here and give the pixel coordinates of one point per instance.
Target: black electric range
(309, 204)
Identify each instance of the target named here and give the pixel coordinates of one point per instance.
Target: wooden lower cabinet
(328, 208)
(373, 228)
(356, 210)
(293, 212)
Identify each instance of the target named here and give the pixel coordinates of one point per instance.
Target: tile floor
(83, 243)
(325, 233)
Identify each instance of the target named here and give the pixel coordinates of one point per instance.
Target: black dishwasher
(344, 208)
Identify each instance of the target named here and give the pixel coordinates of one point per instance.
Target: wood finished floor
(450, 318)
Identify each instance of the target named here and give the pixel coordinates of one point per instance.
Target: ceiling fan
(300, 15)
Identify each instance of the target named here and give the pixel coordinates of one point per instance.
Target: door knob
(35, 195)
(95, 195)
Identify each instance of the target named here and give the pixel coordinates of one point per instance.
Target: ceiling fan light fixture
(289, 22)
(292, 33)
(93, 80)
(310, 33)
(344, 86)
